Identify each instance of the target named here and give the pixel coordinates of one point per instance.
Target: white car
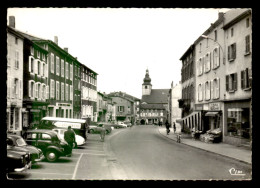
(79, 139)
(122, 124)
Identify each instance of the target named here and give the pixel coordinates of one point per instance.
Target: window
(71, 93)
(232, 32)
(40, 91)
(31, 91)
(78, 71)
(207, 62)
(43, 70)
(71, 72)
(232, 52)
(67, 70)
(120, 108)
(231, 82)
(216, 58)
(15, 88)
(207, 90)
(16, 40)
(52, 88)
(62, 91)
(200, 66)
(200, 92)
(247, 44)
(62, 68)
(52, 63)
(57, 65)
(57, 90)
(47, 92)
(32, 50)
(39, 68)
(215, 88)
(36, 90)
(43, 92)
(16, 61)
(43, 57)
(38, 54)
(247, 22)
(245, 79)
(200, 48)
(45, 137)
(215, 35)
(67, 92)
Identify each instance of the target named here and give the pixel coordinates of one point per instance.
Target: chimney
(220, 14)
(66, 49)
(12, 21)
(56, 39)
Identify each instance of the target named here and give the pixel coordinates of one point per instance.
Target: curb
(207, 150)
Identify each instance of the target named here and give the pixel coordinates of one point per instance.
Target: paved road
(139, 153)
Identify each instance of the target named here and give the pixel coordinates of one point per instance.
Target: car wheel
(51, 155)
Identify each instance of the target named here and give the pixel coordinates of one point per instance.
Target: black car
(49, 142)
(17, 161)
(18, 143)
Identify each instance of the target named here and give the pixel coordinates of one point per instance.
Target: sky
(121, 43)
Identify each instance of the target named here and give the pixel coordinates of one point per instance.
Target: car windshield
(21, 142)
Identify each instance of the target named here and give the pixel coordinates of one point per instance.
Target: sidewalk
(241, 154)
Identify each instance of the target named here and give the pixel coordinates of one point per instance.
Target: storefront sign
(214, 106)
(198, 106)
(206, 107)
(35, 110)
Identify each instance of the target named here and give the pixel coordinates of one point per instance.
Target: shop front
(238, 126)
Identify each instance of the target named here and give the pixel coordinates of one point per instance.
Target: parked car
(79, 139)
(17, 161)
(128, 123)
(49, 142)
(18, 143)
(122, 124)
(213, 136)
(97, 128)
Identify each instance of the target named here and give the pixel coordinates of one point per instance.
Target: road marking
(92, 154)
(49, 173)
(76, 168)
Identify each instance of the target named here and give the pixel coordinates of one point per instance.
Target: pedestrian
(69, 137)
(167, 125)
(102, 133)
(174, 127)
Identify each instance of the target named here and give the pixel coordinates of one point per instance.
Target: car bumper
(24, 168)
(40, 159)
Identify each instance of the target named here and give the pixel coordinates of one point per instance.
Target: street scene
(139, 96)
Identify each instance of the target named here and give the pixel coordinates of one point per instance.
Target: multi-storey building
(88, 94)
(188, 83)
(174, 111)
(237, 112)
(77, 90)
(154, 103)
(124, 105)
(105, 108)
(210, 68)
(14, 80)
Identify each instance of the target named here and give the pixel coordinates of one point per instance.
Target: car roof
(65, 119)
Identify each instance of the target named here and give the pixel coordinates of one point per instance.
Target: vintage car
(17, 161)
(79, 139)
(49, 142)
(128, 123)
(212, 136)
(98, 127)
(18, 143)
(122, 124)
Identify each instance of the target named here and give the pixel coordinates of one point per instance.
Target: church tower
(147, 86)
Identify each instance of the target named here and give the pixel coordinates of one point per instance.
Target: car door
(44, 141)
(31, 139)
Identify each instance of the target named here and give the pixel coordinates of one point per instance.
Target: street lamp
(206, 37)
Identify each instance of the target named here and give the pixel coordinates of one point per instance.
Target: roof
(157, 96)
(152, 106)
(237, 15)
(64, 119)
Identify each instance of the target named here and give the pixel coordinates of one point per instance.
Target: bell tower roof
(147, 79)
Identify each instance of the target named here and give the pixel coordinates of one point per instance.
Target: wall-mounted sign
(214, 106)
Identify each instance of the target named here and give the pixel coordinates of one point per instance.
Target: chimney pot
(56, 39)
(66, 49)
(12, 21)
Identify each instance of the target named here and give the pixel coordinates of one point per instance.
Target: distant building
(154, 103)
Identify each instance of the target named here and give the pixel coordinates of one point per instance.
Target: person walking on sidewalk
(69, 137)
(167, 125)
(174, 127)
(102, 133)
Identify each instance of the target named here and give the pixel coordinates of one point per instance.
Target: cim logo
(235, 172)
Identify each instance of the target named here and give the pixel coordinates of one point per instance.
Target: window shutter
(242, 80)
(212, 89)
(218, 57)
(228, 52)
(227, 82)
(218, 88)
(30, 63)
(29, 89)
(47, 92)
(20, 89)
(209, 63)
(234, 51)
(46, 71)
(12, 87)
(34, 90)
(235, 81)
(250, 76)
(40, 91)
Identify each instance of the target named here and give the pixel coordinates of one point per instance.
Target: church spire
(147, 79)
(147, 86)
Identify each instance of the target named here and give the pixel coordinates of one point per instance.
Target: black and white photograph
(129, 94)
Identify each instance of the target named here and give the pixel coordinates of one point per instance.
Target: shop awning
(211, 113)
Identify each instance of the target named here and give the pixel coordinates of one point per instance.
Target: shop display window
(238, 122)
